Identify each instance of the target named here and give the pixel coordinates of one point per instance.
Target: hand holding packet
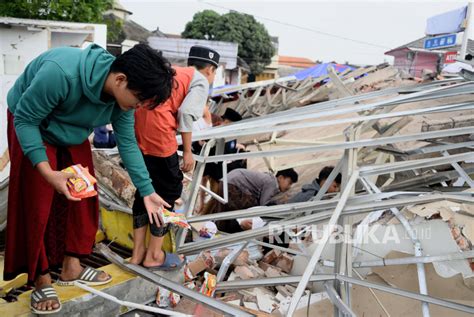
(175, 219)
(81, 186)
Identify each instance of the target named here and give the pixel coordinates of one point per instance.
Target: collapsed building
(396, 240)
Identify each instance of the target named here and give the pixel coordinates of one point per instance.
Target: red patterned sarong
(42, 225)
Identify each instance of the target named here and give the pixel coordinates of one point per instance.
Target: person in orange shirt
(156, 136)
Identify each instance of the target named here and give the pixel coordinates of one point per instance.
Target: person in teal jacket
(52, 109)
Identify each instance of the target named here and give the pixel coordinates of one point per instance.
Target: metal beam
(420, 268)
(344, 145)
(196, 247)
(241, 284)
(409, 260)
(344, 310)
(413, 164)
(168, 284)
(321, 244)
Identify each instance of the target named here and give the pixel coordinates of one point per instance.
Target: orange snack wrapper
(209, 284)
(175, 219)
(81, 186)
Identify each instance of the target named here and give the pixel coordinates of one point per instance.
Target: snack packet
(81, 186)
(209, 284)
(163, 297)
(175, 219)
(188, 275)
(166, 298)
(174, 299)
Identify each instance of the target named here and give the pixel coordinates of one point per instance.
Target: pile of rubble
(443, 227)
(271, 96)
(406, 206)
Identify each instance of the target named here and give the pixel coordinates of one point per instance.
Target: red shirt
(156, 129)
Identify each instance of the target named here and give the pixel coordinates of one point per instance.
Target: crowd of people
(138, 102)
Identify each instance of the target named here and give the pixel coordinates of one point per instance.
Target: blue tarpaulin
(315, 72)
(320, 70)
(448, 22)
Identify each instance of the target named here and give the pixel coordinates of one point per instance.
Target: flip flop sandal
(43, 294)
(88, 276)
(172, 262)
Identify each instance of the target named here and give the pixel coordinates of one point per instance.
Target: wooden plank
(338, 84)
(360, 71)
(285, 87)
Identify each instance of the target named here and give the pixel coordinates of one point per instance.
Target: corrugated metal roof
(179, 48)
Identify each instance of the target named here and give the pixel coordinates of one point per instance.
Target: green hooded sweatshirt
(57, 100)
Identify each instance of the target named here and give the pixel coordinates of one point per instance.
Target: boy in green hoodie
(52, 108)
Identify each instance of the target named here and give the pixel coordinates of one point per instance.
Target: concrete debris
(234, 302)
(248, 296)
(257, 271)
(266, 304)
(244, 273)
(308, 297)
(273, 272)
(405, 277)
(251, 305)
(283, 291)
(265, 266)
(284, 262)
(271, 256)
(402, 202)
(232, 277)
(458, 217)
(447, 123)
(280, 297)
(113, 178)
(242, 259)
(231, 296)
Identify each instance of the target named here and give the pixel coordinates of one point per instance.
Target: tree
(85, 11)
(202, 26)
(115, 32)
(255, 45)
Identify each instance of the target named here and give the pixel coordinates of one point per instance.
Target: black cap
(204, 54)
(231, 115)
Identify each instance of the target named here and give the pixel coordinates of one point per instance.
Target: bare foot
(41, 281)
(138, 255)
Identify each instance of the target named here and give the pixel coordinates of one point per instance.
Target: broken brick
(271, 256)
(272, 272)
(244, 272)
(257, 272)
(242, 259)
(265, 266)
(284, 262)
(231, 297)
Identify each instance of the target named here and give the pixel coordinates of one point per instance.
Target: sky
(358, 32)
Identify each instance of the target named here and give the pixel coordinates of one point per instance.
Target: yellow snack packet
(81, 186)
